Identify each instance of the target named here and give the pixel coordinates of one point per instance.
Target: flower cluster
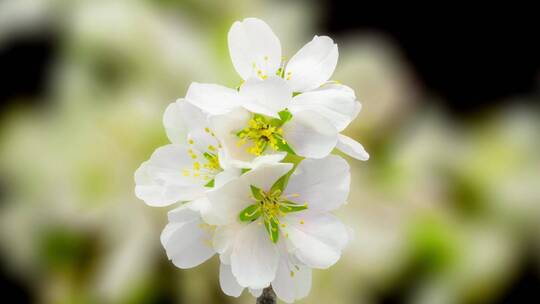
(252, 167)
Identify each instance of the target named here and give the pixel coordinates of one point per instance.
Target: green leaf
(272, 227)
(250, 213)
(210, 184)
(285, 116)
(244, 170)
(257, 193)
(288, 207)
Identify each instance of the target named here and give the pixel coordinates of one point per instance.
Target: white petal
(336, 105)
(255, 258)
(212, 98)
(266, 97)
(351, 147)
(316, 240)
(203, 140)
(180, 118)
(183, 214)
(183, 121)
(160, 180)
(200, 205)
(357, 109)
(264, 160)
(292, 282)
(226, 126)
(255, 292)
(338, 86)
(347, 90)
(312, 65)
(224, 237)
(321, 183)
(225, 176)
(258, 161)
(226, 202)
(186, 243)
(266, 175)
(310, 135)
(253, 48)
(228, 282)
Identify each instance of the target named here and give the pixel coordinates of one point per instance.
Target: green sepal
(285, 116)
(272, 227)
(250, 213)
(264, 145)
(209, 156)
(257, 116)
(280, 184)
(275, 122)
(288, 207)
(280, 72)
(210, 184)
(257, 193)
(239, 133)
(283, 145)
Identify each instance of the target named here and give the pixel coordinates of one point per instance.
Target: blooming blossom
(256, 52)
(272, 228)
(275, 111)
(192, 164)
(259, 123)
(186, 168)
(269, 221)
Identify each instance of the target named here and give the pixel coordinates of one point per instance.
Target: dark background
(472, 57)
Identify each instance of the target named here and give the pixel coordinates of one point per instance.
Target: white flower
(256, 52)
(187, 168)
(319, 113)
(193, 164)
(256, 120)
(272, 229)
(186, 238)
(270, 224)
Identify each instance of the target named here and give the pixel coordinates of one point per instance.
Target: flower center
(262, 133)
(212, 161)
(270, 206)
(205, 165)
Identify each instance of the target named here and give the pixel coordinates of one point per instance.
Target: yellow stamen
(261, 134)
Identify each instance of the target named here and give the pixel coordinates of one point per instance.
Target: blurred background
(447, 210)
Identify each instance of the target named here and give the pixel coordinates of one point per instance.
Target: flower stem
(268, 296)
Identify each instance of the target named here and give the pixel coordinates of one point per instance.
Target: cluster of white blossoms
(252, 170)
